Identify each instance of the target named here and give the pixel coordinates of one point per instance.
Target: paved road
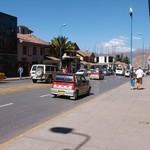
(24, 105)
(107, 122)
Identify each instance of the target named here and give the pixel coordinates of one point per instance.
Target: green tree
(121, 58)
(126, 60)
(118, 57)
(61, 45)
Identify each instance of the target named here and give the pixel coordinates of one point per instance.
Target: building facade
(105, 61)
(31, 49)
(8, 44)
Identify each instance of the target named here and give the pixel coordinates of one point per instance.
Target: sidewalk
(17, 78)
(116, 120)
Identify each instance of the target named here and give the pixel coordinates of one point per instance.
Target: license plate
(61, 92)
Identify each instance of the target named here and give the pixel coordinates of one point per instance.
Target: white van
(127, 73)
(120, 71)
(43, 72)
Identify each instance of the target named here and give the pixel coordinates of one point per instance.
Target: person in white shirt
(139, 75)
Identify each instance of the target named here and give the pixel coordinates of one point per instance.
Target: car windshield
(37, 67)
(64, 78)
(41, 67)
(95, 71)
(119, 68)
(80, 71)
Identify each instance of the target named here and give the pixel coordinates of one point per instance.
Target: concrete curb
(16, 78)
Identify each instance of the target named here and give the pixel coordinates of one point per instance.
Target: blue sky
(95, 25)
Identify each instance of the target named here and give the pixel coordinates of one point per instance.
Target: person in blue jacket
(132, 78)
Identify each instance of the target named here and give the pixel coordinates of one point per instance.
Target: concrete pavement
(116, 120)
(17, 78)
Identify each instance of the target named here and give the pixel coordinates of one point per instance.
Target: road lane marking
(43, 124)
(45, 95)
(55, 118)
(6, 105)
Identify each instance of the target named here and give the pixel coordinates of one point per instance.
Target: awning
(53, 58)
(84, 62)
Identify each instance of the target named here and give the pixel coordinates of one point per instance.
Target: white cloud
(119, 44)
(116, 44)
(121, 41)
(136, 37)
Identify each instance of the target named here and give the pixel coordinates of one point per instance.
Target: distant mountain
(137, 57)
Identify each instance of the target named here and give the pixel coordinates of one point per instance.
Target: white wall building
(104, 60)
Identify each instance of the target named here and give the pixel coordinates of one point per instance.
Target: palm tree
(61, 45)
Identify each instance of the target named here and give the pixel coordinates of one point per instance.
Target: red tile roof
(30, 38)
(85, 53)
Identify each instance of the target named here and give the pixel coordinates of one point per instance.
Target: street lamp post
(61, 46)
(95, 48)
(143, 49)
(131, 12)
(96, 51)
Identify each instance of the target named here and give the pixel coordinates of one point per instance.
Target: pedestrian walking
(139, 75)
(65, 70)
(20, 71)
(132, 78)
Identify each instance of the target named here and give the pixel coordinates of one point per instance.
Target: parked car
(106, 71)
(70, 85)
(97, 74)
(120, 71)
(89, 71)
(111, 72)
(127, 73)
(43, 72)
(82, 72)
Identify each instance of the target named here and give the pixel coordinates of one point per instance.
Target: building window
(41, 51)
(97, 59)
(105, 59)
(54, 52)
(111, 59)
(51, 52)
(23, 31)
(24, 50)
(34, 50)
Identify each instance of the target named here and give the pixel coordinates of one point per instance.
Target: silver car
(82, 72)
(97, 74)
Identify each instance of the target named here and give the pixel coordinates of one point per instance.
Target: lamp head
(130, 11)
(139, 33)
(64, 24)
